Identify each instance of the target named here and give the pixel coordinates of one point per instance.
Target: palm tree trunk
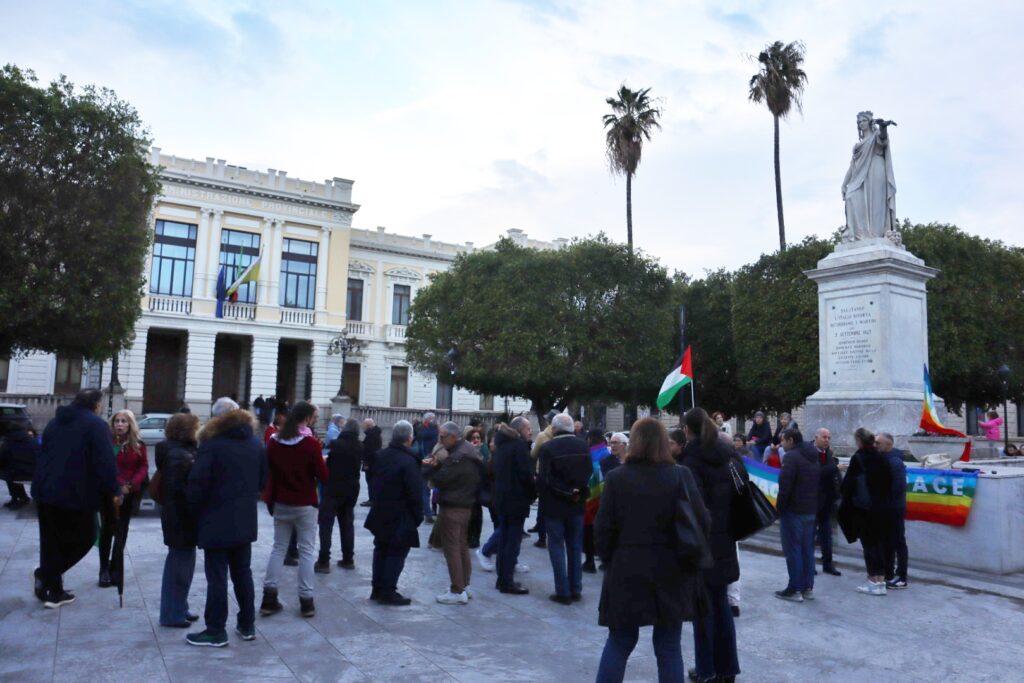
(778, 190)
(629, 210)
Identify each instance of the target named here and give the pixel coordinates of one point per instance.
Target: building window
(237, 252)
(443, 400)
(5, 369)
(354, 308)
(400, 305)
(298, 274)
(487, 402)
(68, 377)
(971, 415)
(174, 259)
(399, 387)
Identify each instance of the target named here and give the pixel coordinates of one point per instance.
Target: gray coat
(458, 477)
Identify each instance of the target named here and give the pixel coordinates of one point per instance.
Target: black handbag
(751, 511)
(692, 549)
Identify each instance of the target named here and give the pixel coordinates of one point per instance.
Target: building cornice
(399, 250)
(204, 182)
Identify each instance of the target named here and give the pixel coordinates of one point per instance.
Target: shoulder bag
(750, 511)
(692, 549)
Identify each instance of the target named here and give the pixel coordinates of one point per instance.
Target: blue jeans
(621, 642)
(388, 563)
(219, 562)
(565, 548)
(714, 638)
(179, 567)
(798, 546)
(510, 535)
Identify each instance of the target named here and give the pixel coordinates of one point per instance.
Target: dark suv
(12, 414)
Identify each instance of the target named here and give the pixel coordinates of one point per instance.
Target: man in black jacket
(828, 496)
(344, 462)
(396, 489)
(896, 543)
(563, 472)
(797, 503)
(372, 443)
(76, 471)
(514, 490)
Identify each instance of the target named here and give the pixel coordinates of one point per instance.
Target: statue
(869, 189)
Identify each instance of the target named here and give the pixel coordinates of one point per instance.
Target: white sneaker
(469, 593)
(872, 588)
(449, 598)
(486, 563)
(522, 567)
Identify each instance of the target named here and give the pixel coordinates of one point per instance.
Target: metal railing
(170, 304)
(296, 316)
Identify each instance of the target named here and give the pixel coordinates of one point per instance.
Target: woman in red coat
(132, 468)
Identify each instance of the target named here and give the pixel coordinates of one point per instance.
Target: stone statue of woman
(869, 189)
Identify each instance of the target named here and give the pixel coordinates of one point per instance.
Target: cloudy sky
(465, 118)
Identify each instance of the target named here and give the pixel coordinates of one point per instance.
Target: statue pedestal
(341, 405)
(873, 342)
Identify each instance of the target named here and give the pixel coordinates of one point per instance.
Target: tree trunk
(778, 190)
(629, 209)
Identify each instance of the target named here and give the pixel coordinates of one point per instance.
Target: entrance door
(227, 367)
(287, 362)
(352, 371)
(160, 388)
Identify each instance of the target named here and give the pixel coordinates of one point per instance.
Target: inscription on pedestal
(853, 339)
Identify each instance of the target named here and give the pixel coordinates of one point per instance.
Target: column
(199, 372)
(132, 370)
(263, 379)
(204, 280)
(326, 373)
(276, 247)
(269, 260)
(213, 255)
(321, 268)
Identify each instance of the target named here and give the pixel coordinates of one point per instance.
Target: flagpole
(682, 351)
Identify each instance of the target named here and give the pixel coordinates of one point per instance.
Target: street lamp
(343, 345)
(1004, 377)
(452, 357)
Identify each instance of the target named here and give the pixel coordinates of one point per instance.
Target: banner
(937, 496)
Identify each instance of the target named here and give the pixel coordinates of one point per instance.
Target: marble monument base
(872, 341)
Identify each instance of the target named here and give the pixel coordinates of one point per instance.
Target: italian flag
(680, 376)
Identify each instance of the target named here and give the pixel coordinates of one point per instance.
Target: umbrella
(118, 559)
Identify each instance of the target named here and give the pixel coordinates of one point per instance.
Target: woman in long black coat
(179, 527)
(635, 537)
(708, 457)
(869, 514)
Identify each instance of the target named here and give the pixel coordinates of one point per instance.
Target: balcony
(170, 304)
(297, 316)
(359, 329)
(239, 311)
(394, 334)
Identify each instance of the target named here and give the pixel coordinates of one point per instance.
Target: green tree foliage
(75, 192)
(590, 322)
(975, 313)
(779, 84)
(775, 326)
(634, 116)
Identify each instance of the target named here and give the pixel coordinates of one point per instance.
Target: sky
(462, 119)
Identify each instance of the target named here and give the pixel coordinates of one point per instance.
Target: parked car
(151, 428)
(12, 414)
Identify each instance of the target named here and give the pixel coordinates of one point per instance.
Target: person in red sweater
(296, 463)
(132, 468)
(273, 428)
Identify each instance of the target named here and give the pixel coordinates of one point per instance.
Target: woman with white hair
(132, 468)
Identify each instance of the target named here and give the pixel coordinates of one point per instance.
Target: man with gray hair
(828, 495)
(896, 542)
(334, 428)
(395, 489)
(457, 478)
(426, 440)
(563, 475)
(372, 443)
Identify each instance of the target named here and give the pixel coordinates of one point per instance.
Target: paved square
(931, 632)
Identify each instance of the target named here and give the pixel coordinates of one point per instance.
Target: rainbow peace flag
(596, 483)
(930, 418)
(937, 496)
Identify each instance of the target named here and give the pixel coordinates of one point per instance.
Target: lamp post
(1004, 377)
(452, 357)
(342, 345)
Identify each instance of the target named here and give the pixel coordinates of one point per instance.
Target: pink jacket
(991, 428)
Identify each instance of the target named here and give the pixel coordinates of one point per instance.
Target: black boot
(323, 565)
(105, 580)
(270, 604)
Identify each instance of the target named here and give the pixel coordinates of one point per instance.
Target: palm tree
(780, 85)
(635, 116)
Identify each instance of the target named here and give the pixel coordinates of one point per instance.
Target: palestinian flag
(930, 418)
(680, 376)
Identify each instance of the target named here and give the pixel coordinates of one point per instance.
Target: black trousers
(114, 525)
(476, 525)
(589, 547)
(874, 555)
(218, 563)
(65, 537)
(388, 563)
(896, 547)
(342, 509)
(17, 491)
(823, 532)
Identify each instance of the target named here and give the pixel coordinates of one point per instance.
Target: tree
(592, 321)
(775, 326)
(779, 85)
(75, 192)
(633, 119)
(975, 313)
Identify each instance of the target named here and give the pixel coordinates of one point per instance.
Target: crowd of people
(605, 503)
